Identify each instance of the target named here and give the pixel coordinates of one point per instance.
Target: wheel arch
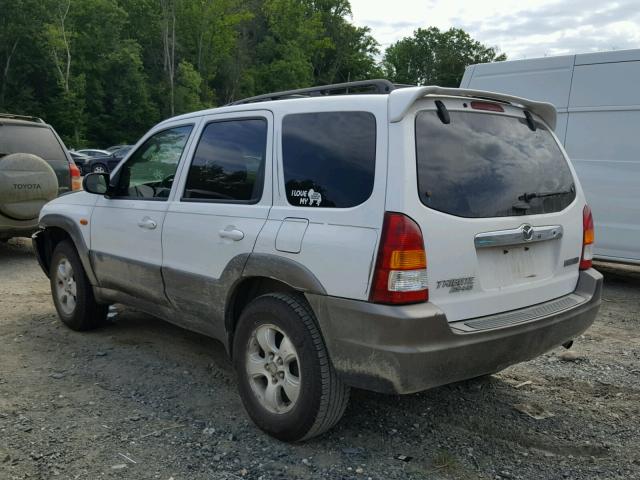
(262, 274)
(55, 228)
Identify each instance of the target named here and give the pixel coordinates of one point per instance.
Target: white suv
(366, 235)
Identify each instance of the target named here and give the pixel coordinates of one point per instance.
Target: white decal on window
(314, 197)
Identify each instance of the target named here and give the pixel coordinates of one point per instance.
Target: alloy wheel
(273, 369)
(66, 289)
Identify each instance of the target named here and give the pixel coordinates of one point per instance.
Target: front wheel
(286, 380)
(72, 292)
(99, 168)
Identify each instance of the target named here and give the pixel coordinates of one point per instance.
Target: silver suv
(392, 239)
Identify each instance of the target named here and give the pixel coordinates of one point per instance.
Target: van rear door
(496, 202)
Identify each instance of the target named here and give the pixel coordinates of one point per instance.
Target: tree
(125, 111)
(351, 51)
(169, 46)
(209, 31)
(104, 71)
(70, 105)
(283, 57)
(287, 44)
(188, 89)
(22, 57)
(432, 57)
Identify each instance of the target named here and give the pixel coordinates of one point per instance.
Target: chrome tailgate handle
(516, 236)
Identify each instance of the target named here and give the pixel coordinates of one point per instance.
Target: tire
(27, 182)
(99, 168)
(79, 312)
(321, 398)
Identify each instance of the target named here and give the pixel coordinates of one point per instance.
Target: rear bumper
(13, 228)
(412, 348)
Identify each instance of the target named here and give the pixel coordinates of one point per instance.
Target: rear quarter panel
(339, 245)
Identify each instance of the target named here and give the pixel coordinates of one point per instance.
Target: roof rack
(21, 117)
(377, 86)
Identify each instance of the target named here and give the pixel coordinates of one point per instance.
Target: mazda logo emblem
(527, 232)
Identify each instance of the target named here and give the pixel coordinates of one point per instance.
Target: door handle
(147, 223)
(232, 233)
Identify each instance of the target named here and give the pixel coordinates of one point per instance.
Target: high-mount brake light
(400, 276)
(488, 106)
(76, 178)
(588, 237)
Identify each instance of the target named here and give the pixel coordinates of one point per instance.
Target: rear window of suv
(488, 165)
(32, 139)
(329, 158)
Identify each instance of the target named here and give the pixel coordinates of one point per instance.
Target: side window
(149, 172)
(329, 158)
(228, 165)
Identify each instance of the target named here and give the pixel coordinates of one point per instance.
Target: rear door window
(488, 165)
(329, 158)
(228, 165)
(32, 139)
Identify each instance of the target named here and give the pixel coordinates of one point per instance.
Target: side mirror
(97, 183)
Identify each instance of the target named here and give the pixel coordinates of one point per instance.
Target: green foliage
(104, 71)
(66, 110)
(123, 111)
(432, 57)
(188, 89)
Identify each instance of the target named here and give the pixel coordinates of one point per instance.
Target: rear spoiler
(400, 101)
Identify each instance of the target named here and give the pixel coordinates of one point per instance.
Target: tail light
(76, 181)
(400, 276)
(588, 236)
(488, 106)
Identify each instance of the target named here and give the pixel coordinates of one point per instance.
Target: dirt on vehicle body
(144, 399)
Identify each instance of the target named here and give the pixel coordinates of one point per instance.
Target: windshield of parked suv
(32, 139)
(487, 165)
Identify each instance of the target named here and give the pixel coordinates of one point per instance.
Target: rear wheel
(72, 292)
(99, 168)
(286, 381)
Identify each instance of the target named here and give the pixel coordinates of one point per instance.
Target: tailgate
(498, 205)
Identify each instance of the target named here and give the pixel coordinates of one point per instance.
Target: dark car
(93, 152)
(79, 159)
(35, 167)
(115, 147)
(106, 163)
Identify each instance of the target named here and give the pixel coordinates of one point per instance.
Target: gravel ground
(143, 399)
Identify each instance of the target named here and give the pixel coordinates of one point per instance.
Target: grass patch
(443, 460)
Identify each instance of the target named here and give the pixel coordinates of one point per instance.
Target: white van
(597, 96)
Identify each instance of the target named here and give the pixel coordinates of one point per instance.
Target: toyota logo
(527, 232)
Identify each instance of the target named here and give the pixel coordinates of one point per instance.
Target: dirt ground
(141, 399)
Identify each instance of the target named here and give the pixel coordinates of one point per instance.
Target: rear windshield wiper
(526, 197)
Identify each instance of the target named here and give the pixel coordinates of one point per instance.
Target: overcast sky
(521, 29)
